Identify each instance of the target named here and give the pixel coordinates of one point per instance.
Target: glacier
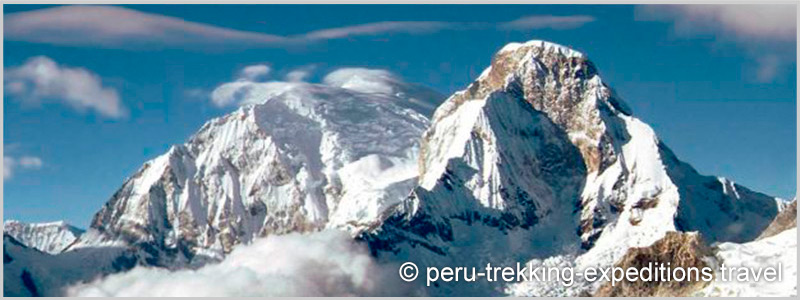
(538, 160)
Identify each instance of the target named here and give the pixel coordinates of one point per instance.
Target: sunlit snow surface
(496, 174)
(310, 157)
(772, 252)
(46, 237)
(535, 161)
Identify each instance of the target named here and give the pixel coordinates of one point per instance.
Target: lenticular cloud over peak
(246, 89)
(363, 80)
(321, 160)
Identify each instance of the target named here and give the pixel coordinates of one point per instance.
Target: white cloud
(8, 167)
(378, 28)
(41, 78)
(547, 21)
(767, 33)
(230, 93)
(30, 162)
(416, 97)
(247, 92)
(376, 81)
(247, 87)
(742, 22)
(255, 72)
(327, 263)
(363, 80)
(243, 91)
(300, 74)
(119, 27)
(11, 165)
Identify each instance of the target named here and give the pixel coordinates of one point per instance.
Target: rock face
(536, 160)
(46, 237)
(311, 157)
(680, 250)
(785, 220)
(540, 158)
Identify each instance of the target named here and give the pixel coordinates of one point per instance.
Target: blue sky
(717, 83)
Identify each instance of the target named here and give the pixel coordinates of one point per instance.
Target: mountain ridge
(536, 160)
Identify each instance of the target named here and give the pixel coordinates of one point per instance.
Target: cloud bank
(244, 91)
(124, 28)
(739, 22)
(408, 95)
(327, 263)
(41, 79)
(766, 32)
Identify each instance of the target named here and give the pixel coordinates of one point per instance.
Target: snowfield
(776, 251)
(324, 189)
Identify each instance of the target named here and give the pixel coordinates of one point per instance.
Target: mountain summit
(310, 157)
(536, 160)
(538, 157)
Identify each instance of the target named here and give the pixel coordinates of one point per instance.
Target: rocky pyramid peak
(558, 81)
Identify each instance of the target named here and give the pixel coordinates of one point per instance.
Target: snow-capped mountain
(46, 237)
(30, 272)
(538, 157)
(537, 160)
(310, 157)
(415, 96)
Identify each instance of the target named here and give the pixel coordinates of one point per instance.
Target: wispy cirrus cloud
(411, 27)
(119, 27)
(547, 21)
(123, 28)
(115, 27)
(766, 32)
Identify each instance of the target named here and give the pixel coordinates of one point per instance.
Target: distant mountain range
(536, 160)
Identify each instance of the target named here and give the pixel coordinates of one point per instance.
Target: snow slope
(372, 81)
(30, 272)
(775, 251)
(310, 157)
(539, 159)
(46, 237)
(536, 160)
